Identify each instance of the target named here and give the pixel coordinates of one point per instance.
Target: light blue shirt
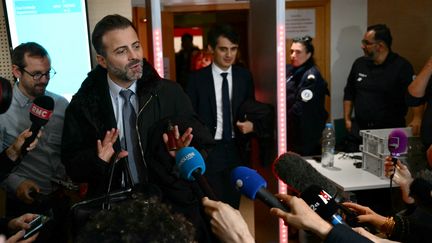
(44, 162)
(118, 102)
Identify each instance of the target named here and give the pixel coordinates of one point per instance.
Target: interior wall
(410, 24)
(348, 23)
(96, 10)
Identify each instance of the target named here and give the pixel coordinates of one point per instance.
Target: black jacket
(90, 114)
(306, 114)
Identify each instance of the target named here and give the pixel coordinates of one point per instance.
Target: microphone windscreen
(5, 95)
(397, 142)
(41, 110)
(247, 181)
(296, 172)
(188, 160)
(320, 201)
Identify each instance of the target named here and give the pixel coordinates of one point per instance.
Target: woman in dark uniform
(305, 98)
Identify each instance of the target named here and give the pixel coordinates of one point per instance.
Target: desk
(349, 178)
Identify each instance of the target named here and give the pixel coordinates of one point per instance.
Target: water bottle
(328, 146)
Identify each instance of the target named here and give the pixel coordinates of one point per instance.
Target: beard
(369, 54)
(126, 73)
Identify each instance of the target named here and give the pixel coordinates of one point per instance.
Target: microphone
(5, 95)
(298, 174)
(301, 176)
(252, 185)
(192, 167)
(322, 203)
(40, 113)
(397, 143)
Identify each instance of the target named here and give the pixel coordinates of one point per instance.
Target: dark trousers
(222, 159)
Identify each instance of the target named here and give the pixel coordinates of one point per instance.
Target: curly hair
(138, 220)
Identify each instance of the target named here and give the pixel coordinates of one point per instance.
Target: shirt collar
(218, 71)
(20, 97)
(115, 88)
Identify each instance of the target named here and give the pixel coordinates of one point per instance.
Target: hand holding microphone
(301, 216)
(40, 113)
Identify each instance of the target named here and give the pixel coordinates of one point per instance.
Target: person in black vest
(306, 91)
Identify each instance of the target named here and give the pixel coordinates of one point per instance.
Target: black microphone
(322, 203)
(252, 185)
(5, 95)
(297, 173)
(192, 167)
(40, 113)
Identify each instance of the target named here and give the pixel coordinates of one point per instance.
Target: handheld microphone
(397, 143)
(192, 167)
(252, 185)
(40, 113)
(322, 203)
(5, 95)
(297, 173)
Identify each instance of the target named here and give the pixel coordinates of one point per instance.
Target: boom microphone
(40, 113)
(296, 172)
(252, 185)
(5, 95)
(192, 167)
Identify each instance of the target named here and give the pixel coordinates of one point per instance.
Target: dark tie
(130, 137)
(226, 109)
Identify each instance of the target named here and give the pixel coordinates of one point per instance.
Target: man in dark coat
(94, 126)
(206, 91)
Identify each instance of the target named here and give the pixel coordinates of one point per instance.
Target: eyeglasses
(38, 76)
(368, 43)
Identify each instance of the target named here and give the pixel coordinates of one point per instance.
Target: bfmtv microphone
(296, 172)
(252, 185)
(322, 203)
(192, 167)
(40, 113)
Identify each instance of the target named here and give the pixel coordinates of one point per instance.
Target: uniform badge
(306, 95)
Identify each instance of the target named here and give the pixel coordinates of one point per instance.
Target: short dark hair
(222, 30)
(33, 49)
(138, 220)
(382, 33)
(108, 23)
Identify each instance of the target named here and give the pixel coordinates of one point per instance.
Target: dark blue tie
(226, 109)
(130, 137)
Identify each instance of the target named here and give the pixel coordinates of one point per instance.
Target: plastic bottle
(328, 146)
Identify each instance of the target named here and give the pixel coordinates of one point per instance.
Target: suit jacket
(201, 91)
